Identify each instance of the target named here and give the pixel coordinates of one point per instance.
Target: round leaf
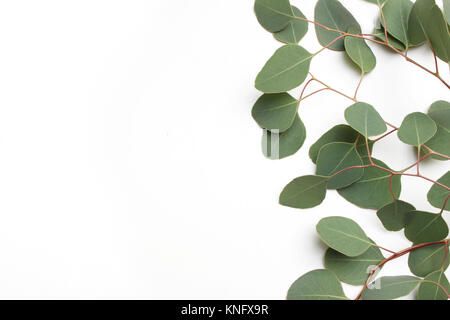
(285, 70)
(430, 291)
(440, 113)
(388, 288)
(360, 53)
(343, 235)
(428, 259)
(425, 227)
(304, 192)
(416, 129)
(396, 14)
(394, 215)
(317, 285)
(438, 195)
(273, 15)
(275, 111)
(295, 30)
(336, 156)
(365, 119)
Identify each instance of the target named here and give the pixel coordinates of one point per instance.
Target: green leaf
(285, 70)
(437, 31)
(273, 15)
(425, 227)
(360, 53)
(332, 14)
(353, 270)
(440, 113)
(339, 133)
(381, 35)
(317, 285)
(447, 10)
(394, 215)
(437, 194)
(372, 190)
(388, 288)
(365, 119)
(295, 29)
(336, 156)
(396, 14)
(275, 111)
(416, 129)
(430, 291)
(281, 145)
(439, 143)
(343, 235)
(304, 192)
(418, 20)
(428, 259)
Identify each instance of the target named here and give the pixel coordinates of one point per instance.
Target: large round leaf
(317, 285)
(360, 53)
(285, 70)
(438, 195)
(425, 227)
(394, 216)
(365, 119)
(273, 15)
(396, 14)
(275, 111)
(343, 235)
(295, 30)
(416, 129)
(372, 190)
(332, 14)
(428, 259)
(304, 192)
(353, 270)
(428, 290)
(335, 157)
(281, 145)
(388, 288)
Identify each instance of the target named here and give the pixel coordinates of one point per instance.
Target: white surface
(130, 165)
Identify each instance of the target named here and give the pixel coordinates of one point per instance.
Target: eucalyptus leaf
(335, 157)
(275, 111)
(447, 10)
(360, 53)
(437, 31)
(428, 290)
(416, 129)
(285, 70)
(343, 235)
(428, 259)
(418, 21)
(353, 270)
(332, 14)
(304, 192)
(381, 35)
(438, 195)
(394, 215)
(273, 15)
(281, 145)
(295, 29)
(365, 119)
(440, 113)
(396, 14)
(425, 227)
(317, 285)
(439, 143)
(389, 288)
(372, 190)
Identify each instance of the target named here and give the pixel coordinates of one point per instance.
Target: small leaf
(335, 157)
(437, 194)
(440, 113)
(360, 53)
(317, 285)
(418, 20)
(428, 259)
(332, 14)
(394, 215)
(275, 111)
(388, 288)
(381, 35)
(343, 235)
(431, 291)
(285, 70)
(365, 119)
(273, 15)
(416, 129)
(425, 227)
(304, 192)
(281, 145)
(396, 14)
(372, 190)
(294, 31)
(353, 270)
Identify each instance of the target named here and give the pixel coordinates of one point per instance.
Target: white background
(130, 166)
